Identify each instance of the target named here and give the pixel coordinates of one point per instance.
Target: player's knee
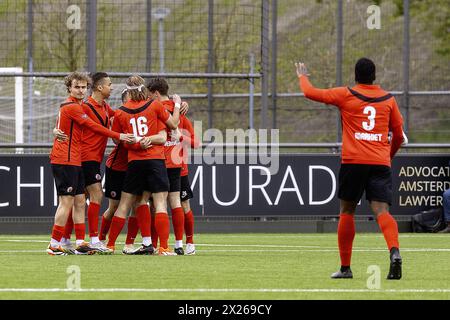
(348, 207)
(109, 213)
(174, 200)
(79, 206)
(160, 206)
(186, 206)
(96, 196)
(123, 208)
(66, 201)
(379, 207)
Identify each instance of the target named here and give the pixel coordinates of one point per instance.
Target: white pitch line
(268, 290)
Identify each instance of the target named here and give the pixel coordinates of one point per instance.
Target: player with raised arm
(65, 159)
(146, 172)
(368, 113)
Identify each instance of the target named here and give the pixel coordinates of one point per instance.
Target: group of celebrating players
(146, 170)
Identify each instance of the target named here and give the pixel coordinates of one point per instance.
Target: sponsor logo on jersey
(368, 136)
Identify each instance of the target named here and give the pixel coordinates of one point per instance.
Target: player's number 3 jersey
(368, 113)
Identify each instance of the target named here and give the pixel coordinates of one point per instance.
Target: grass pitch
(230, 266)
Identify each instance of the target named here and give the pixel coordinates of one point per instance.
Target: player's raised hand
(128, 138)
(176, 98)
(184, 107)
(301, 69)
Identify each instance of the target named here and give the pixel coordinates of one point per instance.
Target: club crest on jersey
(98, 177)
(84, 116)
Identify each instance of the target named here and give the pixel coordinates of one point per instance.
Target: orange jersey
(118, 158)
(143, 119)
(368, 113)
(172, 147)
(71, 120)
(189, 139)
(93, 145)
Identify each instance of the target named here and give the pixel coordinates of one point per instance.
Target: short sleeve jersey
(143, 119)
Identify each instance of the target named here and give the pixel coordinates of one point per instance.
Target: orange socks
(117, 224)
(68, 227)
(162, 225)
(144, 220)
(346, 234)
(80, 231)
(154, 233)
(189, 226)
(104, 228)
(178, 223)
(132, 231)
(57, 232)
(92, 213)
(389, 227)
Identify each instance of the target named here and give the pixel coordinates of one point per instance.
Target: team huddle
(146, 170)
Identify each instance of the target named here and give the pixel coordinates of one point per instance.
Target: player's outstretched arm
(77, 115)
(156, 139)
(329, 96)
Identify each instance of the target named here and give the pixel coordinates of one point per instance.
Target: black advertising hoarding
(305, 184)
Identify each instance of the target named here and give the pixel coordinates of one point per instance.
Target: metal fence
(232, 60)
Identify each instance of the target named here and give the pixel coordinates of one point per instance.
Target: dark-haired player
(368, 113)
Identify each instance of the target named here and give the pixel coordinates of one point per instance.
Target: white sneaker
(190, 249)
(128, 249)
(101, 248)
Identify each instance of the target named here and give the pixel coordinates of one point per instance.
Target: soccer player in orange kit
(65, 159)
(146, 172)
(368, 114)
(159, 90)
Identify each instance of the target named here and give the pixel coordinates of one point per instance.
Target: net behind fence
(201, 36)
(132, 36)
